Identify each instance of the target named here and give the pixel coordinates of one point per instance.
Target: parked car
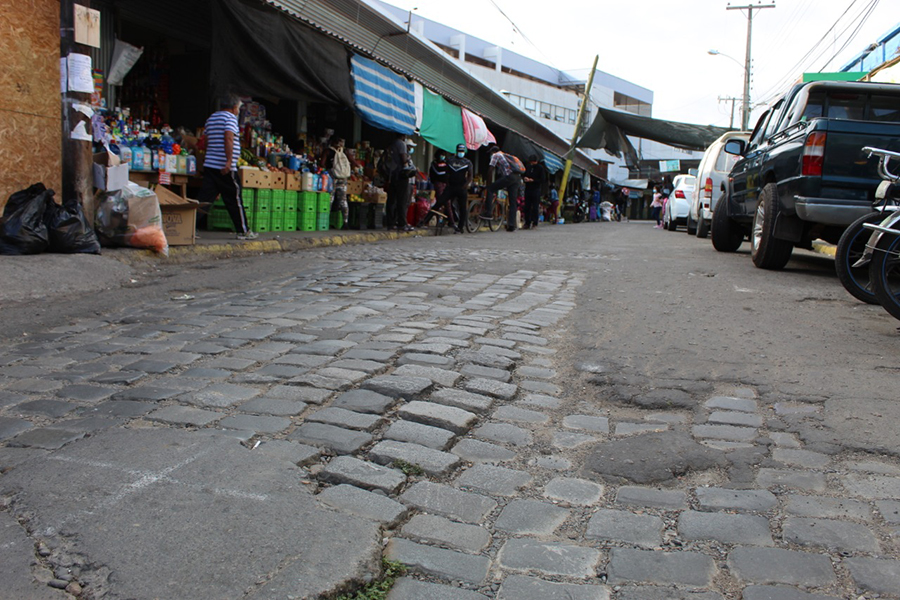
(803, 175)
(711, 178)
(679, 203)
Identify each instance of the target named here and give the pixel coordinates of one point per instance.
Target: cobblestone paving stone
(417, 392)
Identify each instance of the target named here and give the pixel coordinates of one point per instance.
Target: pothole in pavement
(651, 458)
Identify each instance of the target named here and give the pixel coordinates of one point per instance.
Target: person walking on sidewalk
(337, 163)
(460, 172)
(656, 208)
(223, 147)
(506, 172)
(437, 173)
(535, 178)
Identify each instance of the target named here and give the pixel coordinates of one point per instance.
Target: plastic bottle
(307, 181)
(191, 165)
(148, 160)
(155, 158)
(125, 154)
(137, 158)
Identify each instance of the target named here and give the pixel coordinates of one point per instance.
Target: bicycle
(497, 218)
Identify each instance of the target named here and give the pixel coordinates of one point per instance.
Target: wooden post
(77, 169)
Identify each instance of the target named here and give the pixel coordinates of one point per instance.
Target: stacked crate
(219, 219)
(276, 213)
(291, 204)
(261, 219)
(307, 210)
(323, 211)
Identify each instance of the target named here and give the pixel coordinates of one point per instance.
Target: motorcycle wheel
(884, 273)
(850, 248)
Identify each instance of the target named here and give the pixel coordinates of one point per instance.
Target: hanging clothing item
(442, 123)
(383, 98)
(475, 130)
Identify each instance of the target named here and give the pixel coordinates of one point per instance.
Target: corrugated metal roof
(377, 35)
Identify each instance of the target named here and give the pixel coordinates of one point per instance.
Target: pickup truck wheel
(691, 225)
(766, 250)
(702, 228)
(727, 236)
(850, 248)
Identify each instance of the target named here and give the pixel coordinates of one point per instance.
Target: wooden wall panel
(30, 121)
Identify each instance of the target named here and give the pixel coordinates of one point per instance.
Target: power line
(776, 89)
(853, 35)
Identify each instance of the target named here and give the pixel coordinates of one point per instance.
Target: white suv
(679, 202)
(711, 176)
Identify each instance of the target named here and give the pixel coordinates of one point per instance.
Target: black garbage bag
(111, 222)
(23, 230)
(70, 232)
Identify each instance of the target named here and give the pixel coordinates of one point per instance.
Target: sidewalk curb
(820, 247)
(201, 252)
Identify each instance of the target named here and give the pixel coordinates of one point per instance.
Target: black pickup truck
(803, 176)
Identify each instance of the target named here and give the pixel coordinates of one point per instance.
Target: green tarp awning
(441, 122)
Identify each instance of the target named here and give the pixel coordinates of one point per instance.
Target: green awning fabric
(441, 122)
(611, 126)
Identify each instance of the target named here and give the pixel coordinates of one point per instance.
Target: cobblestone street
(449, 395)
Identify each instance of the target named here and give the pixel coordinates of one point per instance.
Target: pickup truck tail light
(707, 189)
(679, 194)
(813, 155)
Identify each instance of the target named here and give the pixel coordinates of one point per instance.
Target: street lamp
(745, 104)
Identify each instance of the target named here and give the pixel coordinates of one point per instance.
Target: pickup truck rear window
(884, 108)
(843, 105)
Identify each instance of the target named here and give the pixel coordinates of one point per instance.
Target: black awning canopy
(609, 129)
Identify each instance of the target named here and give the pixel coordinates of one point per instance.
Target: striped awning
(383, 98)
(553, 162)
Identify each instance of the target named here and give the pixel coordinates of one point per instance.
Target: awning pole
(584, 101)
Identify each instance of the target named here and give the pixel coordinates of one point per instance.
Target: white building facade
(548, 94)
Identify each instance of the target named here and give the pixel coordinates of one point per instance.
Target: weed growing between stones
(379, 589)
(408, 469)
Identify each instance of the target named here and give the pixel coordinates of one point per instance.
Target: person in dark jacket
(396, 157)
(460, 172)
(535, 177)
(437, 173)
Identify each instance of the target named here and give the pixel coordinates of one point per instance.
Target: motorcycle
(882, 251)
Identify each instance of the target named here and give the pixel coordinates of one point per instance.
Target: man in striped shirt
(223, 146)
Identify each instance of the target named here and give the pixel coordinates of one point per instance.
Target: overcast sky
(662, 45)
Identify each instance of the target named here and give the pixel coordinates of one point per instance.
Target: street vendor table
(181, 182)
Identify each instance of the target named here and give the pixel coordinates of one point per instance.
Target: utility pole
(571, 152)
(745, 117)
(731, 99)
(77, 161)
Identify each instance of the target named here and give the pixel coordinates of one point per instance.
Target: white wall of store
(600, 95)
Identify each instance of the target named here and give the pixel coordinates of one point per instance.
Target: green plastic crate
(248, 195)
(308, 226)
(220, 220)
(277, 222)
(290, 224)
(324, 203)
(263, 200)
(308, 202)
(336, 219)
(261, 216)
(291, 201)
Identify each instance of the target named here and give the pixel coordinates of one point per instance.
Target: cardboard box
(179, 217)
(109, 175)
(376, 197)
(254, 178)
(292, 182)
(356, 187)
